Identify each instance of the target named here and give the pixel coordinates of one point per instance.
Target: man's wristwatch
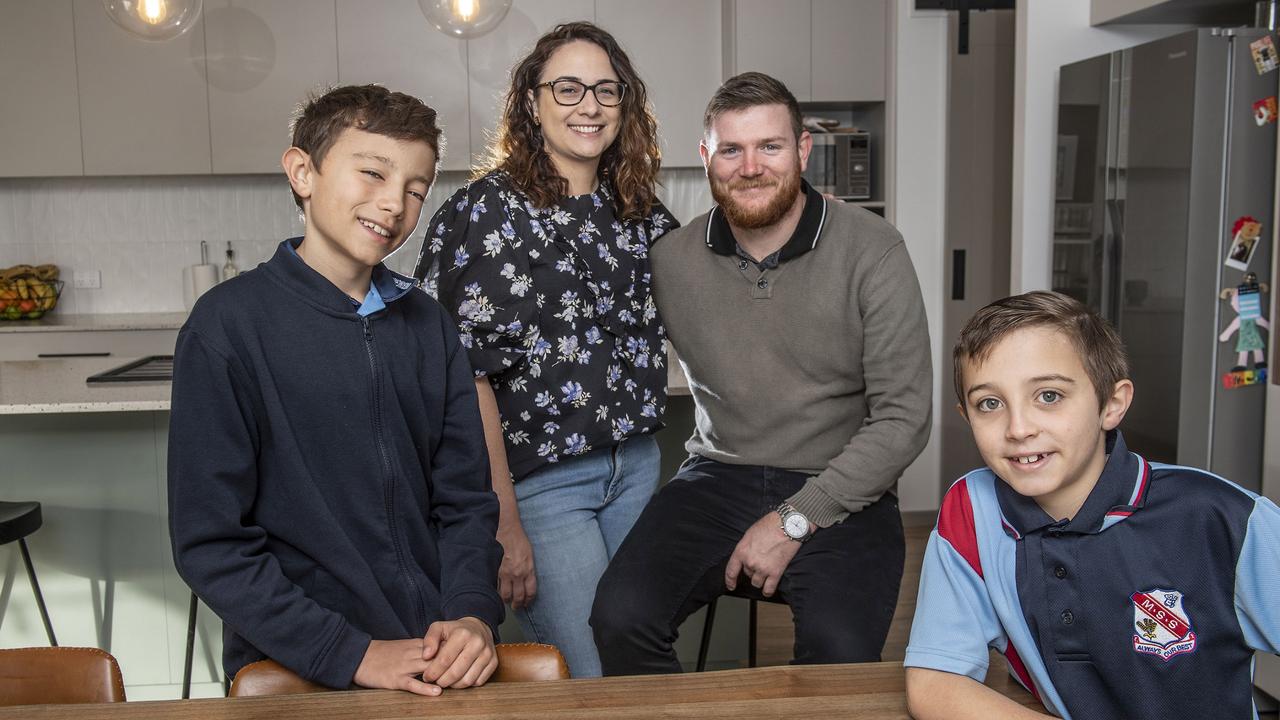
(794, 524)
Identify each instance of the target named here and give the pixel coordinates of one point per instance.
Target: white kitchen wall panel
(144, 108)
(141, 231)
(40, 125)
(391, 43)
(263, 58)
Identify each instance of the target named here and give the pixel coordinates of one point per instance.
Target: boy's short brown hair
(1101, 351)
(372, 108)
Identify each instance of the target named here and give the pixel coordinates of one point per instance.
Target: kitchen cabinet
(40, 125)
(144, 108)
(849, 49)
(846, 42)
(675, 45)
(264, 57)
(773, 37)
(96, 100)
(392, 44)
(491, 58)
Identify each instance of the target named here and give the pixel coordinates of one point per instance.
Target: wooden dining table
(872, 691)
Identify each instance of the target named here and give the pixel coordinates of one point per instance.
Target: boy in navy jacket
(1114, 586)
(328, 484)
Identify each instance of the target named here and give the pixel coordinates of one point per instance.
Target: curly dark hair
(630, 164)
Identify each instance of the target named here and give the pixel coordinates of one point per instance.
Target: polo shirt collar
(805, 237)
(1121, 491)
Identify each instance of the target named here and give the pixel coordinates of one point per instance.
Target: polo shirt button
(762, 284)
(1068, 617)
(742, 264)
(1059, 572)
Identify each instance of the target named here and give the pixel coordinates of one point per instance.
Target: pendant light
(156, 20)
(464, 18)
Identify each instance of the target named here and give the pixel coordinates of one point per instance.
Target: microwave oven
(840, 164)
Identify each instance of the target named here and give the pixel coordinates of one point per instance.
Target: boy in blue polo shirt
(329, 490)
(1114, 586)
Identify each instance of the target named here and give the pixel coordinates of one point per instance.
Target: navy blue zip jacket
(328, 480)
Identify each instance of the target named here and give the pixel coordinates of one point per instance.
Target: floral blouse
(555, 306)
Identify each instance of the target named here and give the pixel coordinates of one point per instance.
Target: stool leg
(751, 637)
(35, 586)
(706, 636)
(191, 647)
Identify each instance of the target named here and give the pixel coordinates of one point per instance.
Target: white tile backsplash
(139, 232)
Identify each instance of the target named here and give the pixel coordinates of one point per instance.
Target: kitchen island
(94, 457)
(57, 385)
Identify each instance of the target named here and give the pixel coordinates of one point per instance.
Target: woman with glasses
(543, 261)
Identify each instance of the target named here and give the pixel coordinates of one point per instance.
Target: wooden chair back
(59, 675)
(517, 662)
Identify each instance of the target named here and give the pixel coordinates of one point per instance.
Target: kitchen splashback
(141, 231)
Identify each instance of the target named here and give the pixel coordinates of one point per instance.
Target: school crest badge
(1161, 626)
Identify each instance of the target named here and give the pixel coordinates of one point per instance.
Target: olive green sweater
(820, 365)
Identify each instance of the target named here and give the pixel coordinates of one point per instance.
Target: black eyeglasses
(608, 93)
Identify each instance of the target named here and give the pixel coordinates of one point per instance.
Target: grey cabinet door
(390, 43)
(264, 56)
(40, 125)
(144, 109)
(848, 50)
(491, 57)
(675, 46)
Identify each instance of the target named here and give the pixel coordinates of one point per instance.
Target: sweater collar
(805, 237)
(289, 267)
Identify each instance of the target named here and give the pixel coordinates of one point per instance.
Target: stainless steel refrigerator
(1162, 150)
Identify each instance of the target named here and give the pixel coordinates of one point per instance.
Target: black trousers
(842, 585)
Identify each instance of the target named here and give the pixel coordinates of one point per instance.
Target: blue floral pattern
(555, 306)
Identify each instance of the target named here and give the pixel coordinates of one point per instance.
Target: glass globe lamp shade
(154, 19)
(464, 18)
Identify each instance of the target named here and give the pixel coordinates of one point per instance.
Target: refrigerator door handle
(1113, 253)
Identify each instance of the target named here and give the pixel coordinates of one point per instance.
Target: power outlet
(88, 279)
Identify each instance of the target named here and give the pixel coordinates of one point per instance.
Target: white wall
(1050, 34)
(139, 232)
(919, 52)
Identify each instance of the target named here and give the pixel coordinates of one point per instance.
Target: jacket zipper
(388, 487)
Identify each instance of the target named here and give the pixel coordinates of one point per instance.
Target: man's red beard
(759, 216)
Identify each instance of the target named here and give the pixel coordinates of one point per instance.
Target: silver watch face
(795, 525)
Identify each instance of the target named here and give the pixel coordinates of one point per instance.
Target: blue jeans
(576, 513)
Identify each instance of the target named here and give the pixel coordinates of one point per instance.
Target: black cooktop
(153, 368)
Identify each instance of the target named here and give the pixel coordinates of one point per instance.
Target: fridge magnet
(1264, 54)
(1246, 300)
(1245, 233)
(1264, 111)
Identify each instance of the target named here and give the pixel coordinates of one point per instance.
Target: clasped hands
(453, 654)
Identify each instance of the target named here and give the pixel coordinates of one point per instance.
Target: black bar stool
(17, 521)
(747, 592)
(191, 651)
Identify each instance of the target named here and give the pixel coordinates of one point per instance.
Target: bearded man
(799, 323)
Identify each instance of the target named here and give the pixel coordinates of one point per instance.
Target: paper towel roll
(196, 281)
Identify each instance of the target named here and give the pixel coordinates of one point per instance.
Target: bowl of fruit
(28, 292)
